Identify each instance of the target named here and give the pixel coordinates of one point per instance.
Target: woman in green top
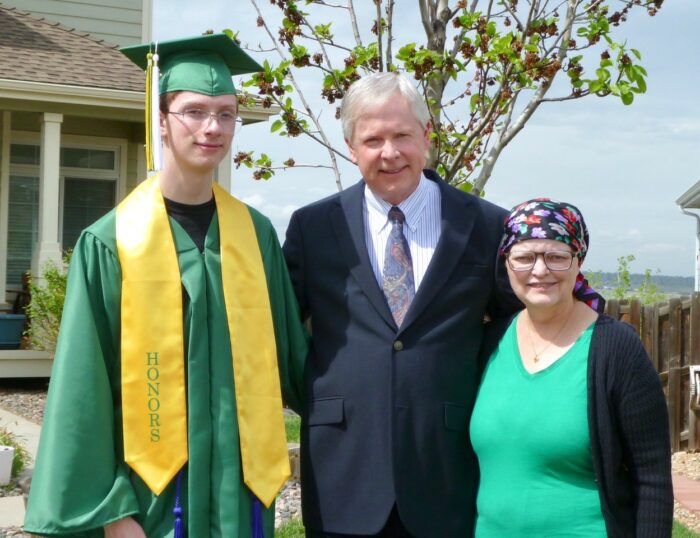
(570, 424)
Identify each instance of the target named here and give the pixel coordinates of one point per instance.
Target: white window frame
(118, 174)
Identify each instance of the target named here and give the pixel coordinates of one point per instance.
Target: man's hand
(124, 528)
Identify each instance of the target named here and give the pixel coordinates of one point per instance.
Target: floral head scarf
(542, 218)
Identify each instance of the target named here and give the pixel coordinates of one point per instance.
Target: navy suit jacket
(388, 408)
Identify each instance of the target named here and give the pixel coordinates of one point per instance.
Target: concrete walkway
(27, 433)
(687, 493)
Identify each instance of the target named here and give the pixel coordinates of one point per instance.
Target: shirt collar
(412, 207)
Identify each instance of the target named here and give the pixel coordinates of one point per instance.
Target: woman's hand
(124, 528)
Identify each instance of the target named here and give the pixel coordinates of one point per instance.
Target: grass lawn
(679, 531)
(292, 425)
(295, 529)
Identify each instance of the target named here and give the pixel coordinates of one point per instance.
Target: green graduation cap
(202, 64)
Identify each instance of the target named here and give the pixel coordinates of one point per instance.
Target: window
(84, 201)
(24, 154)
(88, 178)
(23, 219)
(95, 159)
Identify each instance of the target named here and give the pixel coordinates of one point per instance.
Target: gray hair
(376, 90)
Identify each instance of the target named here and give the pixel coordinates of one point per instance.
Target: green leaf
(406, 52)
(467, 186)
(474, 102)
(641, 85)
(595, 86)
(491, 29)
(636, 53)
(627, 98)
(602, 74)
(276, 126)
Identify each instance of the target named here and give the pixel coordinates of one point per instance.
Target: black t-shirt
(195, 219)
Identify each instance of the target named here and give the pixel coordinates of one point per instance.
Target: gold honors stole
(154, 404)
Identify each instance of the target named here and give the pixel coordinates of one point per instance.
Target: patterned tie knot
(396, 215)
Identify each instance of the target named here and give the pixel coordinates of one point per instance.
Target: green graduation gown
(81, 482)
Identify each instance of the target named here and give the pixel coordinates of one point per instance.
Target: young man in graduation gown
(164, 414)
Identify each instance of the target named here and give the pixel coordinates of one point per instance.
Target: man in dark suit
(396, 274)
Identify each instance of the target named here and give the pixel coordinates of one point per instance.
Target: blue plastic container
(11, 326)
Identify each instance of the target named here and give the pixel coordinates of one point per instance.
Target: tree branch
(508, 134)
(327, 42)
(389, 37)
(485, 119)
(353, 21)
(425, 18)
(571, 97)
(378, 5)
(323, 139)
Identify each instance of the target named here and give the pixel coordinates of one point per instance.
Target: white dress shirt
(422, 227)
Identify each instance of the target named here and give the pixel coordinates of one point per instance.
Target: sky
(622, 166)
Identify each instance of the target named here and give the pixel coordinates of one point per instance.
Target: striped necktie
(397, 282)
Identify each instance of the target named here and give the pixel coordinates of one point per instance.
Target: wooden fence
(670, 332)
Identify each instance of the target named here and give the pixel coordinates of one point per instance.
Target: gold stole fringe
(152, 353)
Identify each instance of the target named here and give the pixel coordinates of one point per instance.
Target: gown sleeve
(292, 337)
(80, 481)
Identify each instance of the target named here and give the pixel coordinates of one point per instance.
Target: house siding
(116, 21)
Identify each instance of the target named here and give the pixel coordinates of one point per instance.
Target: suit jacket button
(398, 345)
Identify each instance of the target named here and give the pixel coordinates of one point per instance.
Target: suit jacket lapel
(457, 224)
(348, 224)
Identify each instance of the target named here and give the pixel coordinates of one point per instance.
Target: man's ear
(353, 156)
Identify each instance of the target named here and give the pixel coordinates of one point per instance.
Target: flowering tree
(483, 66)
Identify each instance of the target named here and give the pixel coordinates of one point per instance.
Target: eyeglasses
(196, 118)
(555, 260)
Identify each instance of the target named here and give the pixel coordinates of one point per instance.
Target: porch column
(4, 199)
(48, 247)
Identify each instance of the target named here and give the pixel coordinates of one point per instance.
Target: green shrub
(21, 455)
(48, 294)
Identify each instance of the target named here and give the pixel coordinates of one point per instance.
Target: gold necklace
(531, 330)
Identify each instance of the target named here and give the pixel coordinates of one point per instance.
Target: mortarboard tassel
(177, 510)
(149, 115)
(153, 140)
(256, 518)
(156, 143)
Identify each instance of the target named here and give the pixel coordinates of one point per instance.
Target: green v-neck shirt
(530, 433)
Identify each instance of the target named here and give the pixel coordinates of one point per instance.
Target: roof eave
(690, 199)
(76, 95)
(100, 97)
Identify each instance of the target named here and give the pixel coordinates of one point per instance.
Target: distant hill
(666, 284)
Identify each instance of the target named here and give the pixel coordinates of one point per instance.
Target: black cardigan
(628, 429)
